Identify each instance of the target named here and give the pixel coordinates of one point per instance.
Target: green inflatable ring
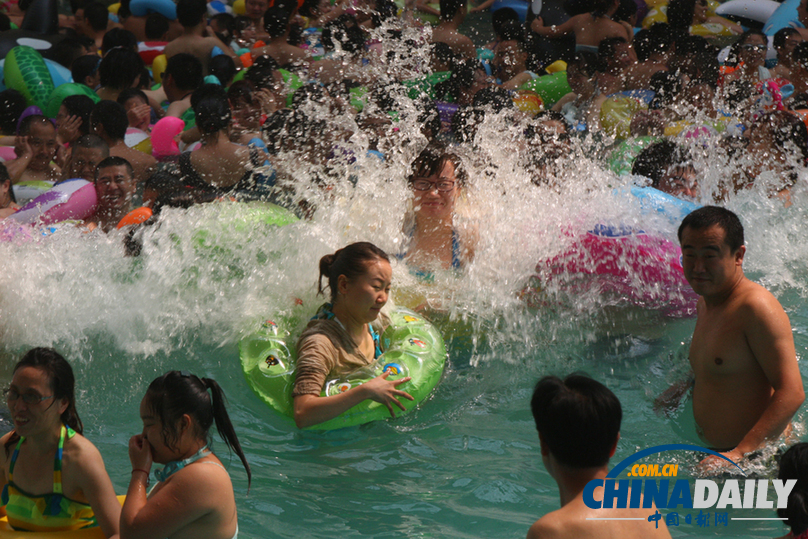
(426, 85)
(293, 81)
(550, 88)
(411, 347)
(26, 72)
(64, 90)
(621, 160)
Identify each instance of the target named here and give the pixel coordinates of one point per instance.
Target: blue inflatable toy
(784, 16)
(519, 6)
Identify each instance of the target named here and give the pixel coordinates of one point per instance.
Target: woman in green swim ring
(53, 478)
(341, 337)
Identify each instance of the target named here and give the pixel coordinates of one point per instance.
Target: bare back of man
(460, 44)
(570, 522)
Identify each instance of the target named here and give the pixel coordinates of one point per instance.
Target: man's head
(94, 19)
(41, 136)
(255, 8)
(88, 152)
(190, 13)
(509, 59)
(183, 74)
(114, 185)
(109, 121)
(712, 251)
(578, 420)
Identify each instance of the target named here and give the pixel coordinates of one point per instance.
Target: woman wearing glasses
(436, 241)
(53, 478)
(749, 56)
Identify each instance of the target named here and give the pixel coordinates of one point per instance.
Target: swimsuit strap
(456, 264)
(325, 313)
(55, 505)
(377, 345)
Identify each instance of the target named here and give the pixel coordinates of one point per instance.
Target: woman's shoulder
(80, 451)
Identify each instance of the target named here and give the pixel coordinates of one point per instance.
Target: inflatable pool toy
(623, 266)
(755, 10)
(550, 87)
(70, 199)
(411, 347)
(61, 92)
(616, 113)
(784, 16)
(240, 7)
(621, 160)
(7, 532)
(292, 82)
(25, 71)
(659, 14)
(528, 102)
(519, 6)
(25, 192)
(7, 153)
(166, 8)
(654, 200)
(535, 7)
(158, 67)
(135, 217)
(163, 137)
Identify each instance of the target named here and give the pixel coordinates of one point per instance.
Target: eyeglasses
(425, 185)
(757, 48)
(27, 398)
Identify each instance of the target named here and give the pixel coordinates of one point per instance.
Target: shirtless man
(109, 121)
(35, 147)
(747, 385)
(276, 25)
(195, 39)
(589, 28)
(452, 14)
(115, 187)
(578, 420)
(87, 152)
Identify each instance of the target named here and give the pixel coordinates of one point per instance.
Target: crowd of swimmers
(283, 118)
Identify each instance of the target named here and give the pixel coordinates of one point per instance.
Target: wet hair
(186, 71)
(276, 21)
(733, 58)
(211, 108)
(62, 383)
(4, 177)
(114, 161)
(502, 15)
(191, 12)
(780, 37)
(350, 261)
(608, 48)
(227, 23)
(495, 97)
(156, 26)
(800, 55)
(586, 62)
(708, 216)
(177, 393)
(431, 161)
(97, 15)
(666, 86)
(794, 465)
(85, 66)
(655, 160)
(449, 8)
(118, 37)
(578, 419)
(680, 13)
(223, 68)
(26, 123)
(67, 51)
(80, 105)
(261, 74)
(241, 92)
(786, 128)
(130, 93)
(443, 52)
(93, 142)
(112, 117)
(120, 68)
(512, 30)
(625, 11)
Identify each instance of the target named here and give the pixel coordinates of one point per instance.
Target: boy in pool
(578, 420)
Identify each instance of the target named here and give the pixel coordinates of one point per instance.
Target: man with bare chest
(747, 385)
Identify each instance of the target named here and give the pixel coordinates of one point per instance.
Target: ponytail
(224, 425)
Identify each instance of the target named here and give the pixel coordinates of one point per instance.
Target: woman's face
(753, 51)
(153, 434)
(42, 413)
(435, 195)
(365, 295)
(256, 8)
(700, 12)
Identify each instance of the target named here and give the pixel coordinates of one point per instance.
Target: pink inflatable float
(627, 267)
(71, 199)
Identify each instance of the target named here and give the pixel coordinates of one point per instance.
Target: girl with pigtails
(194, 495)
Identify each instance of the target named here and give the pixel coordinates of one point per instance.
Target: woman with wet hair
(794, 465)
(435, 241)
(341, 337)
(194, 495)
(53, 478)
